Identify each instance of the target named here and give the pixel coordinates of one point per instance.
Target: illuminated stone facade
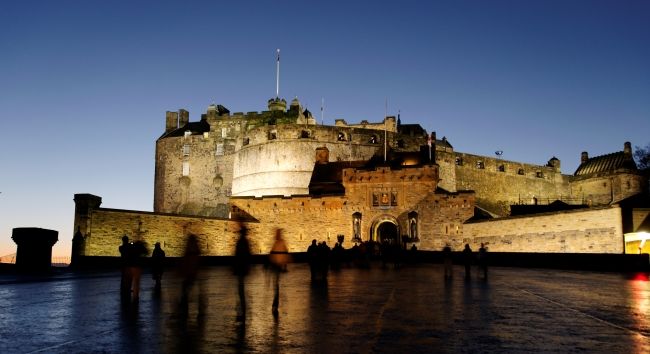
(200, 165)
(362, 181)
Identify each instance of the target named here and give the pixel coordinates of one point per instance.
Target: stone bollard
(34, 252)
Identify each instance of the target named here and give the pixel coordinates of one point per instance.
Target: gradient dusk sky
(84, 85)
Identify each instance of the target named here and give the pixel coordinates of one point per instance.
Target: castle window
(539, 174)
(273, 135)
(340, 136)
(219, 149)
(459, 161)
(393, 198)
(520, 171)
(246, 141)
(502, 168)
(480, 165)
(186, 150)
(186, 168)
(224, 132)
(304, 134)
(373, 139)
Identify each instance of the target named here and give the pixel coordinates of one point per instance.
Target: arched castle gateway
(278, 168)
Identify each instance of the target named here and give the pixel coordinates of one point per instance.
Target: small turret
(555, 163)
(212, 111)
(295, 105)
(277, 104)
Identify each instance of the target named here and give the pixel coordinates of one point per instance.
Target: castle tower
(277, 104)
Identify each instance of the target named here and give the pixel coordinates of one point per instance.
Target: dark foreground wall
(577, 261)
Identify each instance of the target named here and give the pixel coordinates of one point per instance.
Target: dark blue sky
(84, 85)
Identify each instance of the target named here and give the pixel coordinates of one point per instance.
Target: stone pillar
(84, 205)
(34, 252)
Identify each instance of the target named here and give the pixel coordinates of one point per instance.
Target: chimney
(627, 149)
(183, 117)
(171, 121)
(322, 155)
(584, 157)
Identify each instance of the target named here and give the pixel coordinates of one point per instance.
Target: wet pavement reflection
(413, 309)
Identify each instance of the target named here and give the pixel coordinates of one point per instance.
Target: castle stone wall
(283, 166)
(496, 190)
(204, 189)
(440, 216)
(577, 231)
(216, 236)
(599, 190)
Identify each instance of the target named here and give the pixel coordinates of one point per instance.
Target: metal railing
(61, 261)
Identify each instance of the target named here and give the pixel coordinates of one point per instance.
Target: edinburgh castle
(383, 181)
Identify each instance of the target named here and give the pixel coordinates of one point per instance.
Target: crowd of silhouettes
(320, 257)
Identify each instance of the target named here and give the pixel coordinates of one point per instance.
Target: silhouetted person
(125, 281)
(323, 259)
(337, 256)
(446, 256)
(189, 270)
(136, 251)
(241, 267)
(467, 259)
(312, 258)
(482, 260)
(278, 258)
(157, 265)
(413, 254)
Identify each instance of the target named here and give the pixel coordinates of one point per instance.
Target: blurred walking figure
(189, 271)
(482, 260)
(241, 267)
(467, 259)
(446, 255)
(157, 264)
(136, 253)
(278, 258)
(312, 258)
(125, 281)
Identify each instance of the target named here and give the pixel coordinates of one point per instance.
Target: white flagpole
(385, 128)
(277, 77)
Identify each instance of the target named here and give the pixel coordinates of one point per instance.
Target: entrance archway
(385, 228)
(387, 232)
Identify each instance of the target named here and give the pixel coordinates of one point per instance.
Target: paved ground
(409, 310)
